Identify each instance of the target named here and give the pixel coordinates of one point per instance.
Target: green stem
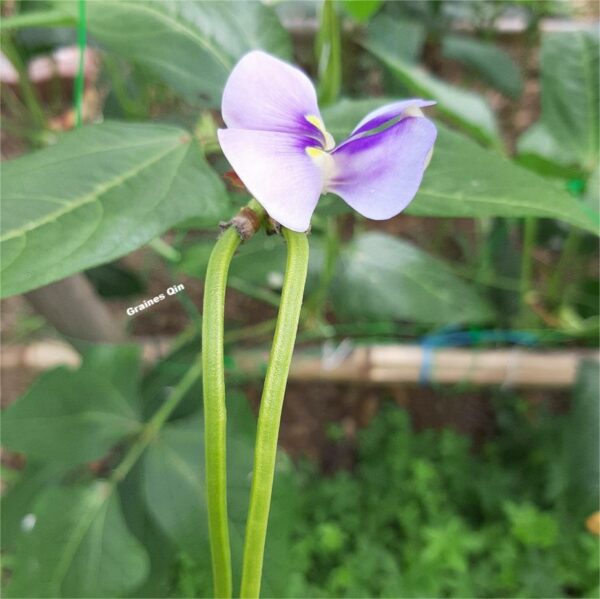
(558, 285)
(30, 98)
(215, 415)
(270, 411)
(166, 251)
(316, 303)
(529, 239)
(153, 426)
(329, 54)
(80, 79)
(215, 412)
(482, 264)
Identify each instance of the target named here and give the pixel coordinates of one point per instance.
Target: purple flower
(278, 145)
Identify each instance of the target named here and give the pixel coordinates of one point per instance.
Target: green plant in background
(423, 515)
(123, 470)
(420, 515)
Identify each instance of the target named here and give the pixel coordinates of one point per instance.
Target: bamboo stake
(368, 365)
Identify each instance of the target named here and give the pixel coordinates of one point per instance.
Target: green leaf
(465, 180)
(382, 277)
(174, 485)
(491, 62)
(466, 109)
(18, 500)
(531, 526)
(161, 552)
(401, 38)
(69, 417)
(98, 194)
(37, 18)
(361, 10)
(570, 100)
(175, 494)
(539, 150)
(191, 46)
(79, 547)
(570, 92)
(121, 365)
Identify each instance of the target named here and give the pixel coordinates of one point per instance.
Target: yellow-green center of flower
(318, 123)
(320, 154)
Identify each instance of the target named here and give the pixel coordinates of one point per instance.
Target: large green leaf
(465, 108)
(174, 485)
(162, 554)
(18, 499)
(538, 149)
(465, 180)
(79, 546)
(570, 91)
(488, 60)
(382, 277)
(401, 38)
(570, 101)
(121, 365)
(361, 10)
(192, 45)
(69, 417)
(98, 194)
(175, 493)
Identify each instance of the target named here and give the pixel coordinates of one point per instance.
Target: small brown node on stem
(273, 227)
(246, 222)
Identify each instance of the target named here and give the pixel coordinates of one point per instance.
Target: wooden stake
(368, 365)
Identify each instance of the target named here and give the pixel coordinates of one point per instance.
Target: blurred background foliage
(457, 492)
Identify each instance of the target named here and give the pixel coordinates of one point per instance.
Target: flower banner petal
(277, 171)
(378, 175)
(264, 93)
(386, 113)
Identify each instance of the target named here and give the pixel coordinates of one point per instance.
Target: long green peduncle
(270, 411)
(213, 381)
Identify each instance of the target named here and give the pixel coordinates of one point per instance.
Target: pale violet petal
(264, 93)
(379, 174)
(277, 171)
(386, 113)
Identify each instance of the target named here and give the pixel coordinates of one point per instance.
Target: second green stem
(270, 411)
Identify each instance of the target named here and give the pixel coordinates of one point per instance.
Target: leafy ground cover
(423, 515)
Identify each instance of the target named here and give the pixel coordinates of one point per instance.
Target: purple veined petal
(264, 93)
(378, 175)
(277, 171)
(386, 113)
